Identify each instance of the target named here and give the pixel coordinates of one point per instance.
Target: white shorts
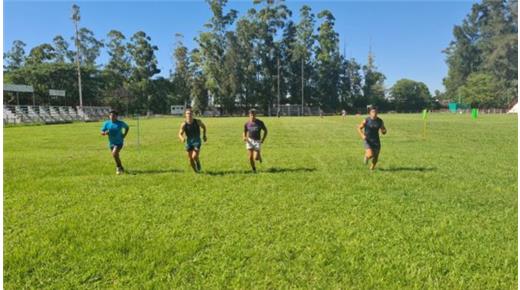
(252, 144)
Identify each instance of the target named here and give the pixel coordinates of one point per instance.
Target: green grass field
(440, 212)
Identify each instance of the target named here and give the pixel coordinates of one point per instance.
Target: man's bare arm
(244, 135)
(203, 126)
(265, 134)
(181, 133)
(360, 130)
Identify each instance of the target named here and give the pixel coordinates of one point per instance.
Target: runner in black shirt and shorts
(191, 128)
(369, 131)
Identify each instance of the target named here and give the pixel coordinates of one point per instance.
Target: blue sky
(407, 37)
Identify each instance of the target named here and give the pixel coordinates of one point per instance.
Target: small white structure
(177, 110)
(514, 109)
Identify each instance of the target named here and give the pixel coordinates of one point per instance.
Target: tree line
(125, 83)
(483, 57)
(256, 60)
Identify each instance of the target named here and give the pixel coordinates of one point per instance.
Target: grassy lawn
(440, 211)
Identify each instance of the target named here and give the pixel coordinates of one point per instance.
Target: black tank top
(372, 129)
(192, 130)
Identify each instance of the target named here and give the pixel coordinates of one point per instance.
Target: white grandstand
(88, 113)
(514, 109)
(52, 114)
(47, 114)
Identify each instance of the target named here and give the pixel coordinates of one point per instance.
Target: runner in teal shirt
(114, 129)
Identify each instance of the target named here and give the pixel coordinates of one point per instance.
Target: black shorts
(118, 146)
(376, 146)
(193, 144)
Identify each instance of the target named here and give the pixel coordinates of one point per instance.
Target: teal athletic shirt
(115, 131)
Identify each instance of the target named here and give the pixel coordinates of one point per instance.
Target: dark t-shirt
(192, 130)
(372, 129)
(253, 128)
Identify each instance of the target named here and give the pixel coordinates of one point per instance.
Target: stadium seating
(52, 114)
(45, 114)
(22, 114)
(92, 113)
(68, 113)
(34, 114)
(55, 114)
(10, 117)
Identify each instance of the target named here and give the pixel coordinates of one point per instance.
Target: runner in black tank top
(191, 128)
(369, 132)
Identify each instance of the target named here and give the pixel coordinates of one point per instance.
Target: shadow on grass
(281, 170)
(226, 172)
(268, 170)
(153, 171)
(419, 169)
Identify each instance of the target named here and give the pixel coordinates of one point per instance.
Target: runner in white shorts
(252, 137)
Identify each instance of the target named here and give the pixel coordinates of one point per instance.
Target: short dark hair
(372, 108)
(114, 112)
(252, 111)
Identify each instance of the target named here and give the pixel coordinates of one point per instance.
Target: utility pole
(303, 88)
(75, 19)
(278, 64)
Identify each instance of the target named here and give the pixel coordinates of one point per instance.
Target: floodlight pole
(302, 88)
(75, 19)
(278, 63)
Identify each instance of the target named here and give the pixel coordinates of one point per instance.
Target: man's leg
(374, 159)
(195, 157)
(252, 159)
(192, 162)
(368, 155)
(115, 154)
(258, 157)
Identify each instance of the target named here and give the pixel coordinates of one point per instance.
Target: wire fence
(14, 115)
